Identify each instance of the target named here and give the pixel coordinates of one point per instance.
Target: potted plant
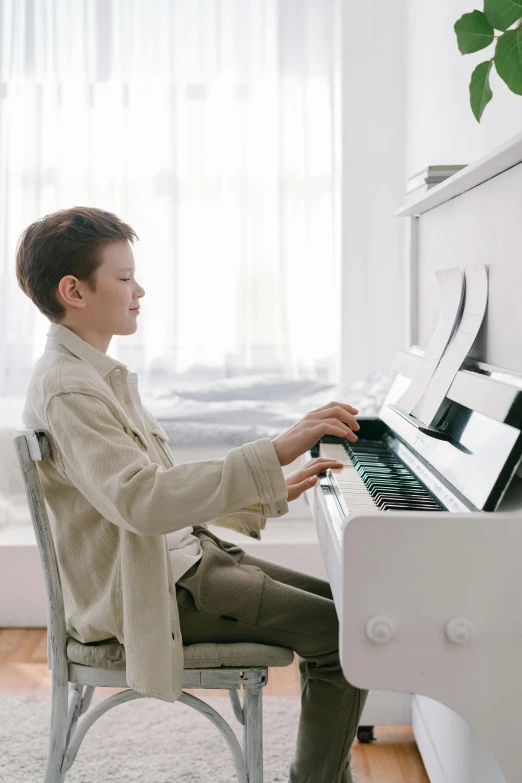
(476, 31)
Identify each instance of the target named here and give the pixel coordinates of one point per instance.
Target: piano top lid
(495, 162)
(481, 429)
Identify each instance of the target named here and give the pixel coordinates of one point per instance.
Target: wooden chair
(77, 670)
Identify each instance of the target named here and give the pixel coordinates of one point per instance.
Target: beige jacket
(113, 492)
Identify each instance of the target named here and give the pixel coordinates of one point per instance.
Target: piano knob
(380, 629)
(460, 630)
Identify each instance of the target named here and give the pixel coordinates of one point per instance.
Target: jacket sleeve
(111, 467)
(249, 521)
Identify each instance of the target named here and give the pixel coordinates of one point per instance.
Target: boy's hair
(67, 242)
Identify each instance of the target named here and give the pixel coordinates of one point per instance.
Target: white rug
(146, 740)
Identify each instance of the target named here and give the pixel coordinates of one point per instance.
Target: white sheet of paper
(451, 288)
(459, 346)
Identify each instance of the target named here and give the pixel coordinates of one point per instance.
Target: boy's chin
(129, 328)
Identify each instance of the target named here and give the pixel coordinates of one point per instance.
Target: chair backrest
(32, 446)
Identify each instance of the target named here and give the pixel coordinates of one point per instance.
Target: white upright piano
(421, 533)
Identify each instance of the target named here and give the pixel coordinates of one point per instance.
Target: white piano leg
(432, 604)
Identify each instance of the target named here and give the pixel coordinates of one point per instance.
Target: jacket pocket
(162, 439)
(136, 434)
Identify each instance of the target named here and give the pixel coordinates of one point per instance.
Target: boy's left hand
(306, 477)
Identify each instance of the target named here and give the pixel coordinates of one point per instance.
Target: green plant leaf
(502, 13)
(479, 90)
(473, 32)
(508, 59)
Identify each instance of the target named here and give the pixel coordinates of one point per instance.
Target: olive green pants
(231, 596)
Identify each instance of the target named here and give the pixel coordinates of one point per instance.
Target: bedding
(238, 411)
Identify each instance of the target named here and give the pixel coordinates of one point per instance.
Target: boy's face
(98, 315)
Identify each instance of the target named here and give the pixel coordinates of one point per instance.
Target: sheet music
(451, 287)
(459, 346)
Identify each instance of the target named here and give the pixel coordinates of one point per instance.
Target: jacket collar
(62, 335)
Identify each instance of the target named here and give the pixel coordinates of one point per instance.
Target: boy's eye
(125, 278)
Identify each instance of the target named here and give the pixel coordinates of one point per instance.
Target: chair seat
(110, 654)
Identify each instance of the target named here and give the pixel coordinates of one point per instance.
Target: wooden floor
(393, 758)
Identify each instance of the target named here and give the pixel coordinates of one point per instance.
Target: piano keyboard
(374, 478)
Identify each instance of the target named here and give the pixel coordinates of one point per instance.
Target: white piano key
(351, 487)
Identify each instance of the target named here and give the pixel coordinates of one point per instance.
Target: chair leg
(253, 731)
(58, 733)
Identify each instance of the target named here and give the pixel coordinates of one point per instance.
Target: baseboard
(426, 746)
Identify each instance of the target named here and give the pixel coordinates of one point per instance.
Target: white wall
(372, 130)
(440, 126)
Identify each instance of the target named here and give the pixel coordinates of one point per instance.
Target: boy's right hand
(336, 418)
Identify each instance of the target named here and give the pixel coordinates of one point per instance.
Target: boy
(136, 559)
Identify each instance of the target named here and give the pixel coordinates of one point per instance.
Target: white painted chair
(76, 669)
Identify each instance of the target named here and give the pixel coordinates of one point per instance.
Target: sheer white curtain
(209, 126)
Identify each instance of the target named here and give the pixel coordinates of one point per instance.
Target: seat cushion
(110, 654)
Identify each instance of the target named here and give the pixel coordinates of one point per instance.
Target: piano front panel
(431, 605)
